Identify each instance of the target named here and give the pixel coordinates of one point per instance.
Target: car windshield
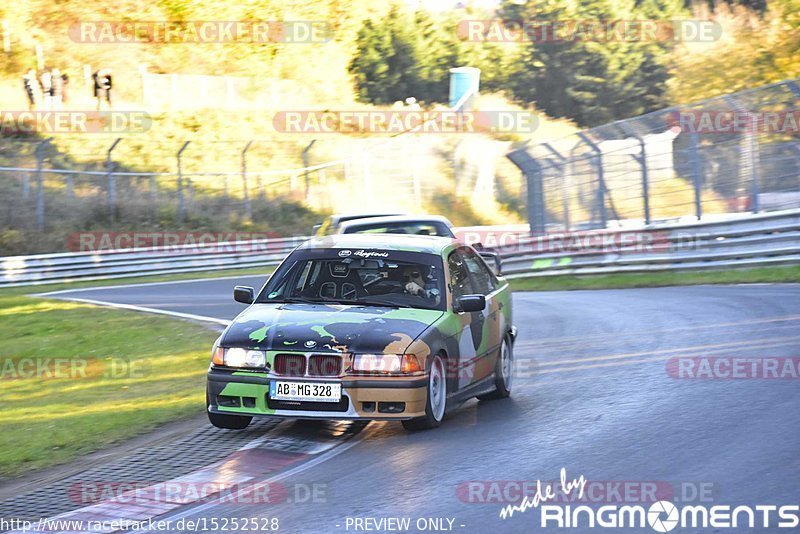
(434, 228)
(365, 278)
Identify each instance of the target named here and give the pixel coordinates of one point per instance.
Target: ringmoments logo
(661, 516)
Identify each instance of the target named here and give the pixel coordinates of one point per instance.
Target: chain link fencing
(733, 154)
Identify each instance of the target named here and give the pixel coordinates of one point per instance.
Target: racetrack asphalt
(592, 395)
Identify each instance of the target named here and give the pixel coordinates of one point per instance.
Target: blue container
(463, 81)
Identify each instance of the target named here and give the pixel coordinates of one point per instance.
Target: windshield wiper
(294, 300)
(374, 302)
(329, 300)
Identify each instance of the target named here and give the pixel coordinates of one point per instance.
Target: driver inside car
(420, 284)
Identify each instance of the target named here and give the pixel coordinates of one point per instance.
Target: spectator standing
(102, 87)
(46, 83)
(64, 87)
(29, 81)
(57, 85)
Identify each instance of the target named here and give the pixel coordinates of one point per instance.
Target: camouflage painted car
(359, 326)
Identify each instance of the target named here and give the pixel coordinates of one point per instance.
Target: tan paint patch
(398, 346)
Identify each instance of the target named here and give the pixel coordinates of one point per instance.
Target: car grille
(290, 364)
(324, 365)
(341, 406)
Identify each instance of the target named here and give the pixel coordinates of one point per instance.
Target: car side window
(460, 280)
(482, 279)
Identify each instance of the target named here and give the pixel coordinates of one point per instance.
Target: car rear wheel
(503, 373)
(437, 398)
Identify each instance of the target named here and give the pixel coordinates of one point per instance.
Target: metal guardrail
(755, 240)
(67, 267)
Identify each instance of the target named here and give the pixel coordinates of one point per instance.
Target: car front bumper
(247, 393)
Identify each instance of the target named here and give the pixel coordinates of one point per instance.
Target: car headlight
(238, 357)
(386, 364)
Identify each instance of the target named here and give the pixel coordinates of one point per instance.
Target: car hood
(322, 327)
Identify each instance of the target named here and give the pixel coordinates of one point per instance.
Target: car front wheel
(437, 398)
(231, 422)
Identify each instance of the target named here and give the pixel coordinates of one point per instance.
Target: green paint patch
(259, 335)
(321, 331)
(256, 392)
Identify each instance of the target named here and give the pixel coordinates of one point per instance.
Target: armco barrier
(64, 267)
(755, 240)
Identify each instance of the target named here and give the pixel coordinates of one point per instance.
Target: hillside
(186, 90)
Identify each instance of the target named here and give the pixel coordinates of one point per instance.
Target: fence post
(69, 185)
(40, 148)
(601, 184)
(181, 205)
(754, 158)
(152, 189)
(112, 182)
(26, 184)
(642, 159)
(694, 160)
(564, 183)
(532, 170)
(748, 156)
(306, 165)
(248, 208)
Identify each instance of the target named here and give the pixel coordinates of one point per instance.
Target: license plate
(305, 391)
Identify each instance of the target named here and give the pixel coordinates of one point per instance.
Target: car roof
(401, 242)
(345, 217)
(395, 219)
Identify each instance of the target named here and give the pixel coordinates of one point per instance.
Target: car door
(488, 336)
(471, 349)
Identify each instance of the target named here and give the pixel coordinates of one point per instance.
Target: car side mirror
(244, 294)
(493, 259)
(470, 303)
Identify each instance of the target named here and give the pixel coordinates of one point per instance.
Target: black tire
(231, 422)
(502, 375)
(436, 403)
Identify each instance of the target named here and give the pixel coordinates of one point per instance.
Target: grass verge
(618, 281)
(78, 378)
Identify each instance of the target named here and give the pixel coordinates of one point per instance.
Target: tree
(591, 79)
(404, 55)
